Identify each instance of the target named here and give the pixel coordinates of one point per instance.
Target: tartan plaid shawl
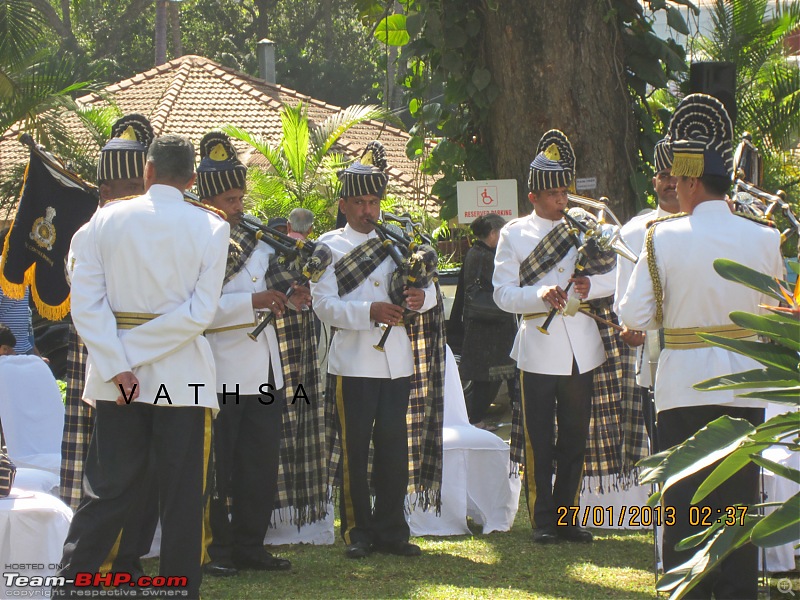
(425, 416)
(302, 476)
(78, 424)
(355, 266)
(616, 431)
(553, 248)
(240, 248)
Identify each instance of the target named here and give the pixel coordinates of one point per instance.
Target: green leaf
(768, 355)
(733, 271)
(414, 105)
(415, 147)
(779, 527)
(454, 36)
(725, 540)
(481, 78)
(414, 23)
(766, 435)
(392, 30)
(778, 330)
(675, 20)
(790, 396)
(757, 378)
(712, 443)
(777, 468)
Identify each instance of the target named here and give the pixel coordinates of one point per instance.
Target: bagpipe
(596, 240)
(750, 199)
(301, 261)
(414, 258)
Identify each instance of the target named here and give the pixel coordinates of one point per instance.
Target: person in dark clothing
(488, 337)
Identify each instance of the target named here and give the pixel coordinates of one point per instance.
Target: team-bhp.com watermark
(92, 585)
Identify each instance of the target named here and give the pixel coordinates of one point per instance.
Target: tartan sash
(302, 464)
(241, 246)
(553, 248)
(354, 267)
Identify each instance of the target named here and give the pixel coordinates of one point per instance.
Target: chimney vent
(266, 60)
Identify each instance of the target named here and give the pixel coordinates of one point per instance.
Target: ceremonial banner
(53, 205)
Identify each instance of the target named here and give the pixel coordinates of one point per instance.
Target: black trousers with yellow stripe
(373, 410)
(569, 397)
(124, 436)
(247, 441)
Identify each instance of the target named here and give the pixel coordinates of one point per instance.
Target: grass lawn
(619, 564)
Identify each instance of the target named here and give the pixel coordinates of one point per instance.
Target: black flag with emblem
(54, 204)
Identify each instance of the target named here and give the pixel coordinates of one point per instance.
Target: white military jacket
(575, 336)
(352, 353)
(633, 234)
(154, 254)
(696, 296)
(239, 359)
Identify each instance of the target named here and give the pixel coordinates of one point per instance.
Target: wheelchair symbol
(488, 197)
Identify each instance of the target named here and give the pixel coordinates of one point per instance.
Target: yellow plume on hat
(219, 153)
(129, 134)
(552, 152)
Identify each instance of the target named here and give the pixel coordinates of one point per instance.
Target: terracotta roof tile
(192, 95)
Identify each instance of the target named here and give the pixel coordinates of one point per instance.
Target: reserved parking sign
(476, 198)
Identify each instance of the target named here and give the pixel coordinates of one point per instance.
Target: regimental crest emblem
(43, 231)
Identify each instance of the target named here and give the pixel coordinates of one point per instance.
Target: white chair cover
(33, 527)
(32, 412)
(475, 479)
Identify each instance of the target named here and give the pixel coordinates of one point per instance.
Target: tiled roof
(192, 95)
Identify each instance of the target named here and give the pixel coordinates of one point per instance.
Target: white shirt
(239, 359)
(352, 353)
(152, 254)
(570, 337)
(696, 296)
(633, 233)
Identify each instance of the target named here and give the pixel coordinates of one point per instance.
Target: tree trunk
(161, 32)
(560, 65)
(175, 28)
(262, 21)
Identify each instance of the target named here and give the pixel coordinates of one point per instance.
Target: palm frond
(329, 131)
(260, 144)
(295, 140)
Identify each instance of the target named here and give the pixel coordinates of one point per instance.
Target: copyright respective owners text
(39, 581)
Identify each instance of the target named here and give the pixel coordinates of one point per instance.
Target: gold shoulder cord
(755, 219)
(658, 290)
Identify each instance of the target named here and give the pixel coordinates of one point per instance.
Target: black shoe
(545, 535)
(262, 562)
(220, 569)
(398, 548)
(576, 534)
(357, 550)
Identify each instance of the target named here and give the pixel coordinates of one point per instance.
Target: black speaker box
(716, 79)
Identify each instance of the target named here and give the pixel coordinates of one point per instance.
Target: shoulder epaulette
(110, 202)
(755, 219)
(666, 218)
(215, 211)
(517, 219)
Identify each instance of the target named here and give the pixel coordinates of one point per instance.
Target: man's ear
(191, 181)
(532, 198)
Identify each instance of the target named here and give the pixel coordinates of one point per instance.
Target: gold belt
(231, 328)
(686, 338)
(537, 315)
(129, 320)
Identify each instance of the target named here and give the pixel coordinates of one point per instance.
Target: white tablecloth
(475, 479)
(33, 526)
